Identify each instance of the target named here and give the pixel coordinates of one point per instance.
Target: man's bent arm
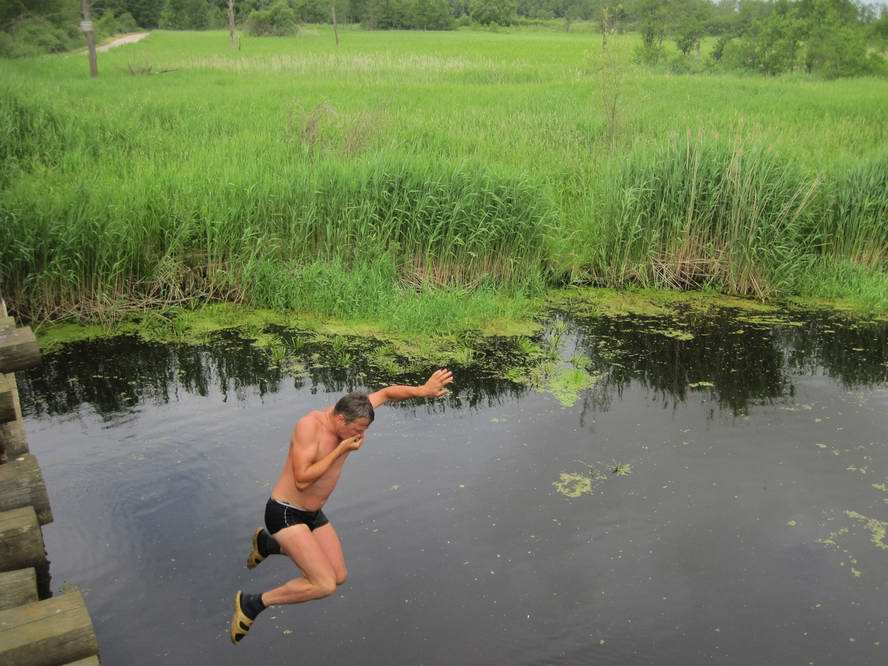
(312, 473)
(304, 448)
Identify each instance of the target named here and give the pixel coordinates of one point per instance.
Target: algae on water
(573, 485)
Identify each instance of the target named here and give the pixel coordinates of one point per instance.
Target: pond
(711, 489)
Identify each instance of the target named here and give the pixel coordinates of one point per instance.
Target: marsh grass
(424, 180)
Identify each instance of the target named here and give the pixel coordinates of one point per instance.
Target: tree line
(832, 38)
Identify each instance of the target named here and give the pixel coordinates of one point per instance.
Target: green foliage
(409, 14)
(688, 23)
(185, 15)
(652, 24)
(492, 12)
(481, 166)
(704, 212)
(278, 20)
(836, 49)
(35, 34)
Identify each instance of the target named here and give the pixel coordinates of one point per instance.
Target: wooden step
(89, 661)
(18, 587)
(18, 349)
(12, 433)
(7, 399)
(21, 541)
(47, 633)
(21, 484)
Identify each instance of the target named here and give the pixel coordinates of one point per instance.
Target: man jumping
(295, 525)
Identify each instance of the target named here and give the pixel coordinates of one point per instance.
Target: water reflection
(741, 362)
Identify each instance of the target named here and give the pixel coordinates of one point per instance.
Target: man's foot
(240, 621)
(255, 557)
(263, 545)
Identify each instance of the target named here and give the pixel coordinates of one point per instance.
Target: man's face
(354, 428)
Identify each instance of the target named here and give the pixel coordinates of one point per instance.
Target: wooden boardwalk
(33, 631)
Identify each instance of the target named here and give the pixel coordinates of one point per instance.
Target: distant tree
(652, 21)
(836, 43)
(688, 23)
(185, 15)
(433, 15)
(146, 12)
(278, 20)
(772, 45)
(879, 30)
(489, 12)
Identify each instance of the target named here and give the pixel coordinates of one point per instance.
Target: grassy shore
(434, 181)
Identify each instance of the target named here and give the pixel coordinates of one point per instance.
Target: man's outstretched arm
(433, 388)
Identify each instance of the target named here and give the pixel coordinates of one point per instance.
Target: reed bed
(466, 170)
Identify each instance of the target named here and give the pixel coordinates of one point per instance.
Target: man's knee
(324, 586)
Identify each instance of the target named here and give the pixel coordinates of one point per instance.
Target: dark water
(747, 530)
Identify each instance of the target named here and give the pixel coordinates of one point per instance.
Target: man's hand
(352, 443)
(434, 387)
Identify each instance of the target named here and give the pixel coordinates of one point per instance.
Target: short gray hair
(355, 406)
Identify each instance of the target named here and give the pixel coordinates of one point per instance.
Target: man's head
(353, 414)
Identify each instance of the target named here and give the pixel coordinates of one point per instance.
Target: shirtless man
(295, 524)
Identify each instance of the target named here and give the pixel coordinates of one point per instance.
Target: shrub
(33, 36)
(185, 15)
(278, 20)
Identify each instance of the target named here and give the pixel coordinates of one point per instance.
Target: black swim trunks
(279, 514)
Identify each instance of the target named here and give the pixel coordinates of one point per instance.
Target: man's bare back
(295, 524)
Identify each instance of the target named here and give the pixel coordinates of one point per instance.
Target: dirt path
(120, 41)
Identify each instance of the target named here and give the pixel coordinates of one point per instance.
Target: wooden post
(21, 541)
(48, 632)
(231, 23)
(86, 25)
(18, 587)
(18, 350)
(7, 399)
(12, 439)
(21, 484)
(335, 30)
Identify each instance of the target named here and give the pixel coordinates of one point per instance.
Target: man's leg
(318, 580)
(329, 541)
(318, 575)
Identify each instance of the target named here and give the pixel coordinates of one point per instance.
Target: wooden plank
(6, 323)
(12, 434)
(46, 633)
(12, 438)
(17, 588)
(7, 400)
(21, 541)
(18, 350)
(89, 661)
(21, 484)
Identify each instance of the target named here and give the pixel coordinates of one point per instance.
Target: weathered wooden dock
(34, 631)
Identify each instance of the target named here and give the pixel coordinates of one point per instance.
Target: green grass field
(473, 169)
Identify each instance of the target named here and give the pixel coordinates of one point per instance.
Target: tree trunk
(231, 35)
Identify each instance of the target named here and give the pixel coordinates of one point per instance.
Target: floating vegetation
(701, 385)
(573, 485)
(566, 384)
(832, 538)
(877, 528)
